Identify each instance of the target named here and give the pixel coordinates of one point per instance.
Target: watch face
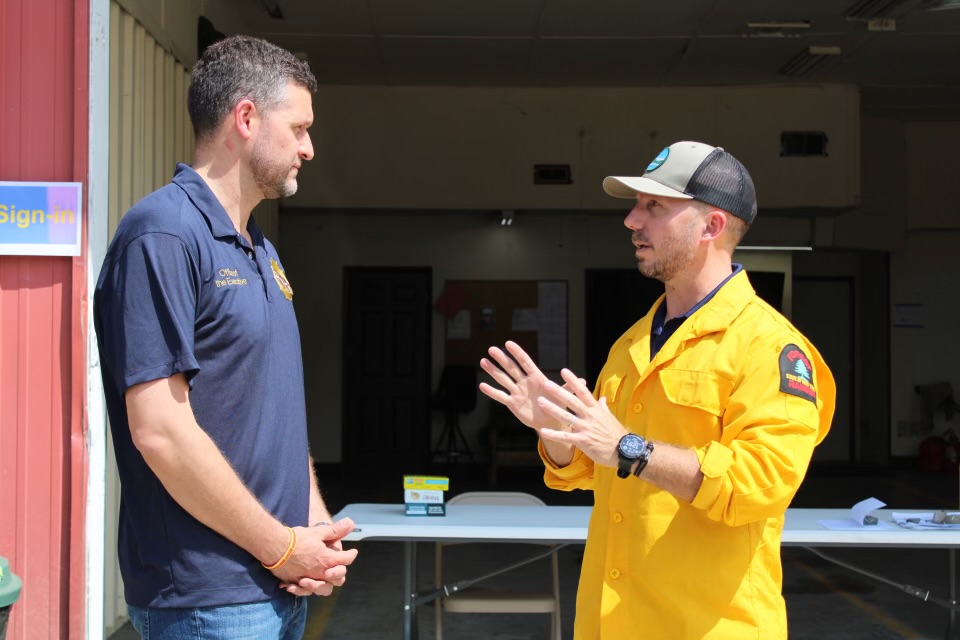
(631, 446)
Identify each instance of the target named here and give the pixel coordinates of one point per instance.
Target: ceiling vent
(809, 59)
(777, 28)
(803, 144)
(552, 174)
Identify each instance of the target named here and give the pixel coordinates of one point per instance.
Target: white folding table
(563, 525)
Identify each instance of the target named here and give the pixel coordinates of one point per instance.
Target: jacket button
(618, 517)
(637, 408)
(615, 574)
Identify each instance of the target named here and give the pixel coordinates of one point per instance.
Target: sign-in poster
(40, 218)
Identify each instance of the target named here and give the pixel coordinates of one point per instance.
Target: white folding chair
(489, 601)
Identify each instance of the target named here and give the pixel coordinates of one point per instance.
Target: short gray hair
(238, 68)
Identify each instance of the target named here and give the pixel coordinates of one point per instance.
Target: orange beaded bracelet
(286, 555)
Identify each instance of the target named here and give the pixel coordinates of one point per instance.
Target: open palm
(522, 384)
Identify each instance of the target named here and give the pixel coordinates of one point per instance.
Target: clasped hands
(567, 414)
(319, 562)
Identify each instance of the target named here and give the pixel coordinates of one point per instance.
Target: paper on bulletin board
(525, 320)
(458, 327)
(909, 316)
(552, 319)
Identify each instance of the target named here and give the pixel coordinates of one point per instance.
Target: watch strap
(643, 459)
(623, 467)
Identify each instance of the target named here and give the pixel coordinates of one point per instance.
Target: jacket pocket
(699, 389)
(610, 389)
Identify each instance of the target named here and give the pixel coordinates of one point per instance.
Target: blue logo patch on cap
(659, 160)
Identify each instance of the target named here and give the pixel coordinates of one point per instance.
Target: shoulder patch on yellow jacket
(796, 373)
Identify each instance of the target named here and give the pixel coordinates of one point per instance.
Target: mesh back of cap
(723, 182)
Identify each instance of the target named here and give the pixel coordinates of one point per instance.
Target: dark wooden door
(386, 377)
(615, 300)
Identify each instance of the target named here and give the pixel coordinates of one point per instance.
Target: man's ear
(716, 223)
(246, 118)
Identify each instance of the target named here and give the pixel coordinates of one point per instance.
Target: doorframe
(346, 456)
(852, 351)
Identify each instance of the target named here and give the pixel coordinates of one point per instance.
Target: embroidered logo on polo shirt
(281, 279)
(796, 373)
(229, 278)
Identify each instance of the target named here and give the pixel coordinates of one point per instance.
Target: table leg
(953, 633)
(409, 590)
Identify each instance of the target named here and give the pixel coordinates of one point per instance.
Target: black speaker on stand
(456, 394)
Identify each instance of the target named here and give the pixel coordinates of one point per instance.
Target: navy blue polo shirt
(182, 292)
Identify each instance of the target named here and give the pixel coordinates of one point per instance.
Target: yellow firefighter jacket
(742, 387)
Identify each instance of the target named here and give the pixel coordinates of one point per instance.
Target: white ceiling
(546, 43)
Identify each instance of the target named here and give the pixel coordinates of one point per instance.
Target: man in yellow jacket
(701, 427)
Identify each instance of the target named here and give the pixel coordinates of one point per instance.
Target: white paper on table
(863, 508)
(859, 511)
(852, 525)
(904, 519)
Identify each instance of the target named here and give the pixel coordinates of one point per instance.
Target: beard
(673, 255)
(270, 175)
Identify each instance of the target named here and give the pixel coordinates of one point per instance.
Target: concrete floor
(824, 601)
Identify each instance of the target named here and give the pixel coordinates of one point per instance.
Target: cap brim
(627, 187)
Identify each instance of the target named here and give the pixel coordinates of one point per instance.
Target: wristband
(286, 554)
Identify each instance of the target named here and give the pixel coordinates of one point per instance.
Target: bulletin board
(483, 313)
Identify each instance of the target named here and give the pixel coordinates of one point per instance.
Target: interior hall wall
(924, 348)
(868, 273)
(476, 147)
(431, 152)
(457, 245)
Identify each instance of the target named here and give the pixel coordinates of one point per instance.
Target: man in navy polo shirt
(223, 531)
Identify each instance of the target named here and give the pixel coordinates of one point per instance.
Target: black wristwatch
(630, 449)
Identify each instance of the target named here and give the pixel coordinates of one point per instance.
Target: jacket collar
(716, 315)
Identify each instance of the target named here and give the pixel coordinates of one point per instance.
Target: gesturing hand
(593, 429)
(523, 384)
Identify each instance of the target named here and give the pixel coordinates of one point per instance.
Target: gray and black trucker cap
(694, 171)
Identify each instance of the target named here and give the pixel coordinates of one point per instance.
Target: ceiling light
(942, 5)
(778, 24)
(809, 60)
(773, 248)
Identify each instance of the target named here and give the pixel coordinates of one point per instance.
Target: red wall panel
(43, 134)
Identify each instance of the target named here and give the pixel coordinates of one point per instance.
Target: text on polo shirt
(229, 277)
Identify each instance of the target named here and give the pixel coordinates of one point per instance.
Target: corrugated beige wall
(149, 133)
